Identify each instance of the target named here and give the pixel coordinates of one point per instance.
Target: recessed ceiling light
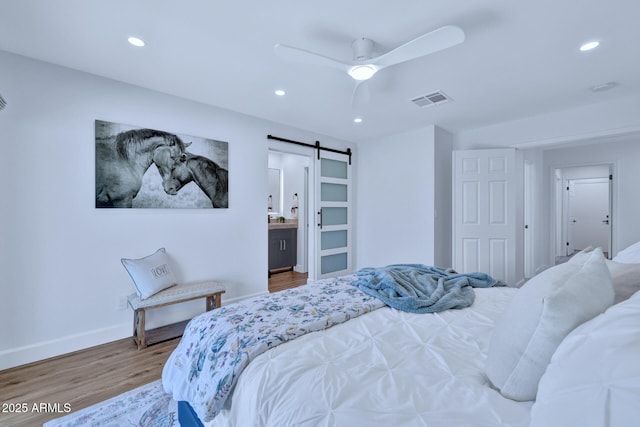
(136, 41)
(357, 120)
(590, 45)
(280, 92)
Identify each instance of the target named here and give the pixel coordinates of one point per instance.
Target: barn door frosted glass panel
(334, 168)
(333, 192)
(332, 263)
(334, 215)
(333, 239)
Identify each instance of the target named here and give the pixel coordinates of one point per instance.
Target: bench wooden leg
(213, 301)
(138, 328)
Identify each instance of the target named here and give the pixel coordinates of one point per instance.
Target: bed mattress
(384, 368)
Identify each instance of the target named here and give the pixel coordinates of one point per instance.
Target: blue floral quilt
(218, 345)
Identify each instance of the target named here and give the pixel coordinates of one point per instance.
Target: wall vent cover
(430, 99)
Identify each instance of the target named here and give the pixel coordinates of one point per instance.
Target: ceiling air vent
(431, 99)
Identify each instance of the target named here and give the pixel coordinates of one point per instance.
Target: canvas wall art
(147, 168)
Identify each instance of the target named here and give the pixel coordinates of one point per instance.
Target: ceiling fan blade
(436, 40)
(295, 54)
(361, 94)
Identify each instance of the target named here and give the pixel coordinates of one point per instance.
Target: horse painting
(177, 168)
(121, 165)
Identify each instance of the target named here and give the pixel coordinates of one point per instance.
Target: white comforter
(385, 368)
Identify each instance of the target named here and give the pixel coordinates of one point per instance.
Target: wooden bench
(212, 291)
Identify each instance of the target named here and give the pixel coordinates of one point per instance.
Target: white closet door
(334, 212)
(588, 207)
(484, 231)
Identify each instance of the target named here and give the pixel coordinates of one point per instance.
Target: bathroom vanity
(283, 245)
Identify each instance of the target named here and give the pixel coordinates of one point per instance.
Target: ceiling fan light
(362, 72)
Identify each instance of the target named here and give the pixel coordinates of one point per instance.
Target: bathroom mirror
(274, 198)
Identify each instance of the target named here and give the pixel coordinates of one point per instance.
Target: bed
(382, 366)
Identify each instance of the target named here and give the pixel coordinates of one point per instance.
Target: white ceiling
(519, 59)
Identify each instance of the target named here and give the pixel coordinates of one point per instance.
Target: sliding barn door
(484, 205)
(334, 212)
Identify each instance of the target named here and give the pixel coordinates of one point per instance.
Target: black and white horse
(120, 165)
(178, 168)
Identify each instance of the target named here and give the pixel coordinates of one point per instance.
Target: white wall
(398, 188)
(576, 124)
(60, 256)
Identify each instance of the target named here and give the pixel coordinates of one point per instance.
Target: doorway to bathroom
(289, 193)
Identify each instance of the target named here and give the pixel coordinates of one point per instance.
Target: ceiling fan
(364, 65)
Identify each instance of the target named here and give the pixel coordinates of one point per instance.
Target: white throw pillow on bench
(150, 274)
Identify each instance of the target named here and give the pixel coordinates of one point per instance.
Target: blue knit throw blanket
(418, 288)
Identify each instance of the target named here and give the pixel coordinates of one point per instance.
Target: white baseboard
(46, 349)
(542, 268)
(236, 299)
(520, 283)
(299, 269)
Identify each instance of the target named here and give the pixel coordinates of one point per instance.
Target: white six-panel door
(484, 230)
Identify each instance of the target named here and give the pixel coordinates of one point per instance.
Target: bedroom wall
(60, 257)
(600, 119)
(401, 178)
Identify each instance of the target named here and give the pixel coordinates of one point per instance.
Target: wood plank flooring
(79, 379)
(286, 280)
(89, 376)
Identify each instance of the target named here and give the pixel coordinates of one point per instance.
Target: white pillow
(150, 274)
(625, 279)
(542, 313)
(593, 379)
(630, 255)
(582, 256)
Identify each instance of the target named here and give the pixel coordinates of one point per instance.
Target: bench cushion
(176, 294)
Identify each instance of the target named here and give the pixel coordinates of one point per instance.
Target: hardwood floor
(286, 280)
(89, 376)
(79, 379)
